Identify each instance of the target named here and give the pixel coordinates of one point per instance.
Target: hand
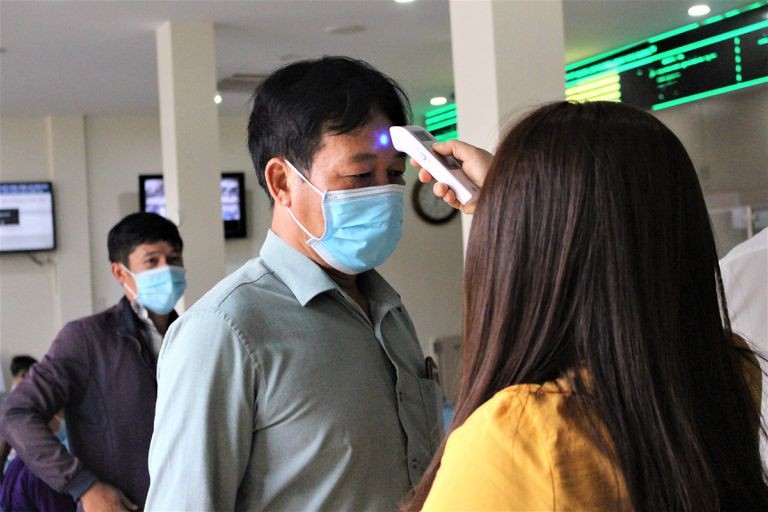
(474, 162)
(101, 497)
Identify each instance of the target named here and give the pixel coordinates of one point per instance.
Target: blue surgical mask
(61, 434)
(362, 226)
(159, 289)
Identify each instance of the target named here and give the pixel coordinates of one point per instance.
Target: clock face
(430, 207)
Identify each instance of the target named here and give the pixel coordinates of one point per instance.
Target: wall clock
(429, 207)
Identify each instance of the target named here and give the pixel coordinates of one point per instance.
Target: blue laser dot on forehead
(383, 140)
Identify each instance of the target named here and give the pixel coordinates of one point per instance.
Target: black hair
(21, 363)
(299, 102)
(140, 228)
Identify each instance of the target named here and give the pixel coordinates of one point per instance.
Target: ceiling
(98, 57)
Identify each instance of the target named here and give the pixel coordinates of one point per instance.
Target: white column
(508, 56)
(189, 126)
(71, 272)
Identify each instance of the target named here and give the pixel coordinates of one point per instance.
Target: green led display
(722, 53)
(441, 122)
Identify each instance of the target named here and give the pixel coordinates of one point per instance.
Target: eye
(362, 176)
(397, 176)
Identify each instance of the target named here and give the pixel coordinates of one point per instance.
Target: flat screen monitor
(152, 199)
(26, 217)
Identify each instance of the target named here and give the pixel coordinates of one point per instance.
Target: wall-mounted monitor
(152, 199)
(26, 217)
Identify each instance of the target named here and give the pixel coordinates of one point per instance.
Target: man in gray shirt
(297, 382)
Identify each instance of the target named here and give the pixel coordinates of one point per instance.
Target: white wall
(425, 269)
(27, 290)
(727, 138)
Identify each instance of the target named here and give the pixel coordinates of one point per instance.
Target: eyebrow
(365, 157)
(153, 253)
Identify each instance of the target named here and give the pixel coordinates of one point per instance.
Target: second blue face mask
(159, 289)
(362, 226)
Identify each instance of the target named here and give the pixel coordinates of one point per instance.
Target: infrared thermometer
(417, 143)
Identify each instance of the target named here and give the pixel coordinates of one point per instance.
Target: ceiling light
(403, 1)
(217, 99)
(698, 10)
(438, 100)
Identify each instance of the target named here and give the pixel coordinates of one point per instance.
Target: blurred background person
(745, 280)
(22, 491)
(101, 370)
(20, 366)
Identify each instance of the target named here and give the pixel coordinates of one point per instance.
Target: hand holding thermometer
(417, 143)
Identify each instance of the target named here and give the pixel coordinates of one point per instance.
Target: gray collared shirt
(276, 392)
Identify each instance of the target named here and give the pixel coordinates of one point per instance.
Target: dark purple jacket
(23, 491)
(101, 372)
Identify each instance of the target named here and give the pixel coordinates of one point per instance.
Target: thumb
(124, 501)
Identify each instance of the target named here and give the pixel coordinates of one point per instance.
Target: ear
(276, 176)
(118, 272)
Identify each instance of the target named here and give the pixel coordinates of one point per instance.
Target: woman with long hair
(598, 370)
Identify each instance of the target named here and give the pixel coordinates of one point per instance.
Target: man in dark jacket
(101, 370)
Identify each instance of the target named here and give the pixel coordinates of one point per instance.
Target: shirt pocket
(432, 402)
(420, 412)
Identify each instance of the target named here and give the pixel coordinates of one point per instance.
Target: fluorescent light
(403, 1)
(698, 10)
(217, 99)
(437, 100)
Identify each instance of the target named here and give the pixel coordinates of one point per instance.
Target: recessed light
(698, 10)
(438, 100)
(345, 29)
(217, 99)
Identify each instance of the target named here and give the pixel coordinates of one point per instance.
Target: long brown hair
(591, 249)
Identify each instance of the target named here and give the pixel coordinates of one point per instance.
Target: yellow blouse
(520, 451)
(526, 450)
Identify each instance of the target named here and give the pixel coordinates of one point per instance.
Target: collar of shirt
(306, 279)
(143, 315)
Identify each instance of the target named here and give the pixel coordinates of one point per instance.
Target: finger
(450, 198)
(415, 164)
(440, 189)
(424, 176)
(128, 504)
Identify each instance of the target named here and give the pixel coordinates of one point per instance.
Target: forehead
(160, 247)
(371, 140)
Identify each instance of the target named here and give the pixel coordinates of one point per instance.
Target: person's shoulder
(755, 245)
(82, 329)
(232, 292)
(501, 453)
(239, 296)
(108, 315)
(522, 408)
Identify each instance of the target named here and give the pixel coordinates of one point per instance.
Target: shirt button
(400, 396)
(414, 464)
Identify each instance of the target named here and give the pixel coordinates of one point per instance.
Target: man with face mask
(101, 371)
(297, 383)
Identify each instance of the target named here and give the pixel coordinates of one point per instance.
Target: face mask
(61, 434)
(159, 289)
(362, 226)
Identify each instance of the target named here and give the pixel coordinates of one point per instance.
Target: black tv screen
(26, 217)
(152, 199)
